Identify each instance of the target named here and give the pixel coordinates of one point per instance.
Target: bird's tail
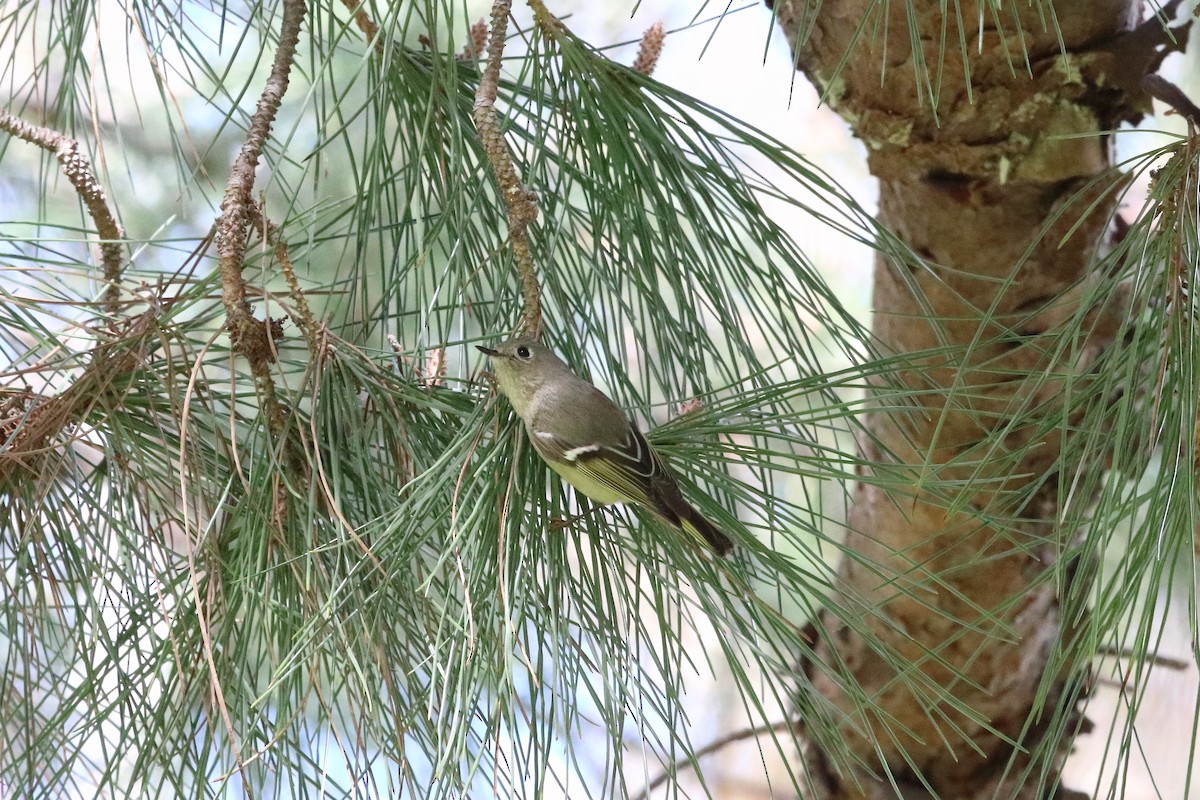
(665, 499)
(695, 523)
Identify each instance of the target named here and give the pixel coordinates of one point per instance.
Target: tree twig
(33, 422)
(250, 337)
(77, 168)
(520, 201)
(1162, 89)
(719, 744)
(302, 316)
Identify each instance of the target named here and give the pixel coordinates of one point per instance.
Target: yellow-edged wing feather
(628, 473)
(621, 474)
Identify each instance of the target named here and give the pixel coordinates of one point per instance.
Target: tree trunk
(982, 186)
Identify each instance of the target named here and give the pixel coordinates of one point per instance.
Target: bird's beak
(487, 351)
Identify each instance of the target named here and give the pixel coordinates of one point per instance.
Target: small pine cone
(650, 50)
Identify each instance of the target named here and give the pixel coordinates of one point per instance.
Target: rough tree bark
(975, 192)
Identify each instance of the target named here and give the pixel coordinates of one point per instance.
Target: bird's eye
(522, 352)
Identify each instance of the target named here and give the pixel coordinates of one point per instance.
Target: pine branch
(520, 201)
(253, 338)
(77, 168)
(1160, 88)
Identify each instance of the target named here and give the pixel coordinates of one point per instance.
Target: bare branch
(784, 726)
(250, 337)
(521, 202)
(77, 168)
(1162, 89)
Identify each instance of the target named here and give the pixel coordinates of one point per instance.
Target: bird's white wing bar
(576, 452)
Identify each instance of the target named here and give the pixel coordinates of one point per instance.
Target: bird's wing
(607, 468)
(629, 467)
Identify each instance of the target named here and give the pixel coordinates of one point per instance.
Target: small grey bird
(587, 440)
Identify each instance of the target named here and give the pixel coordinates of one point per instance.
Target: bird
(584, 437)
